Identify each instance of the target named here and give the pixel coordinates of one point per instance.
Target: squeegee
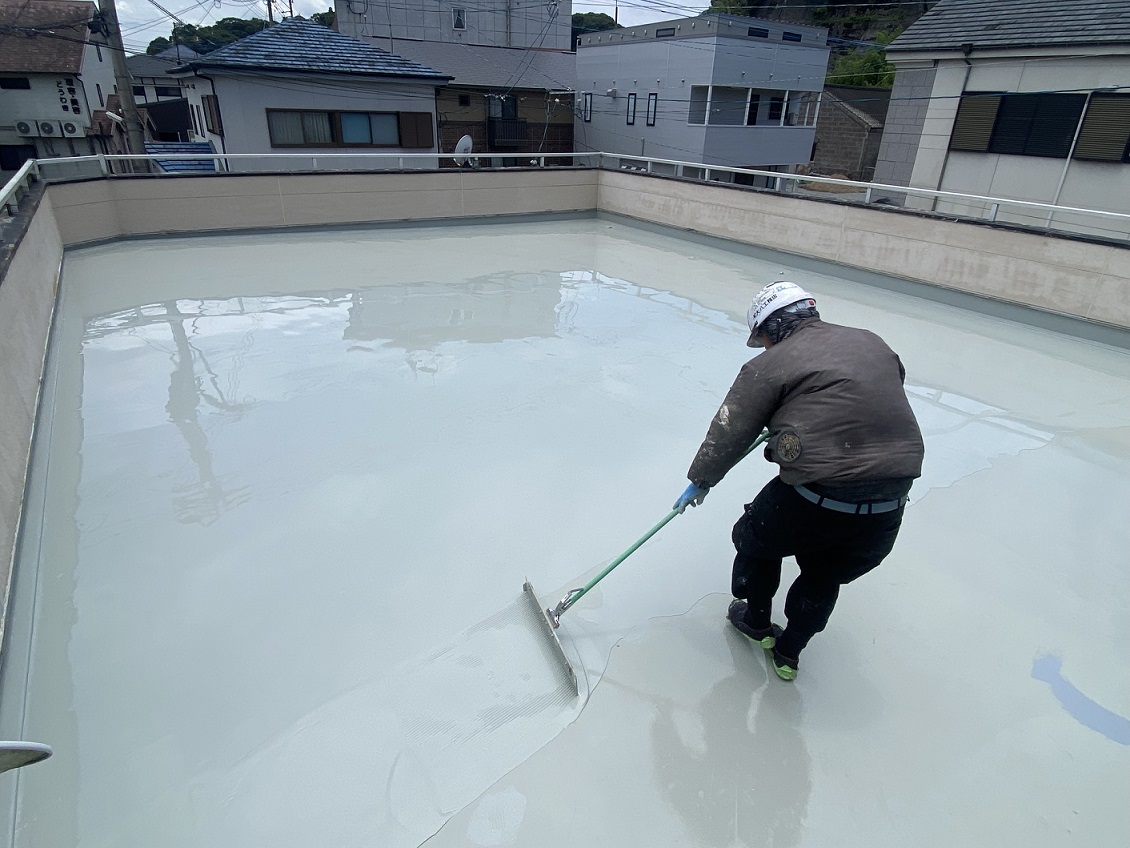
(551, 618)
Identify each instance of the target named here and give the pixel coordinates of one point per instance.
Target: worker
(848, 446)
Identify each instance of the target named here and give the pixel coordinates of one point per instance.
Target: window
(296, 128)
(790, 36)
(199, 118)
(98, 50)
(195, 123)
(464, 100)
(369, 128)
(631, 109)
(754, 104)
(700, 95)
(458, 18)
(586, 112)
(139, 91)
(212, 114)
(101, 99)
(415, 129)
(15, 83)
(973, 124)
(168, 91)
(728, 105)
(1105, 134)
(757, 32)
(665, 32)
(776, 108)
(1037, 124)
(652, 103)
(299, 129)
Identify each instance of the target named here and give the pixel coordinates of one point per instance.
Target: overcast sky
(142, 21)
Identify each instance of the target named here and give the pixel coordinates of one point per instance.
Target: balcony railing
(508, 132)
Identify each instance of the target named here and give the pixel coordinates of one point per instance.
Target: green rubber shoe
(785, 667)
(766, 638)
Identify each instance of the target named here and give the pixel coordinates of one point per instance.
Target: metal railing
(950, 205)
(17, 187)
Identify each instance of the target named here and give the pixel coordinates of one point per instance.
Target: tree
(327, 18)
(867, 67)
(584, 22)
(209, 38)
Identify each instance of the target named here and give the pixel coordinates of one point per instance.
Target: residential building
(1021, 99)
(55, 71)
(716, 89)
(543, 25)
(162, 95)
(301, 87)
(513, 74)
(849, 131)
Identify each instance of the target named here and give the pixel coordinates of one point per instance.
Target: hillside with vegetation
(857, 32)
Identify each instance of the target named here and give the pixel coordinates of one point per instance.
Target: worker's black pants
(831, 548)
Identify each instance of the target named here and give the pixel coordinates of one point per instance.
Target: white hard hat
(774, 296)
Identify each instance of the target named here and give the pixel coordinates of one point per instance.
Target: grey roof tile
(303, 46)
(1017, 23)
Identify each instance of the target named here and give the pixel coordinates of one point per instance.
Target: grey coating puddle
(287, 488)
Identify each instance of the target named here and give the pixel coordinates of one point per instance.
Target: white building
(512, 67)
(540, 25)
(300, 87)
(1023, 99)
(716, 89)
(55, 71)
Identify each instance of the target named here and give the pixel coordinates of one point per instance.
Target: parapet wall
(95, 210)
(1059, 275)
(27, 301)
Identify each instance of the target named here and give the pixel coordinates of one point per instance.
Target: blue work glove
(693, 496)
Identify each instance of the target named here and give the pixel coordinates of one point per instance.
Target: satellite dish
(463, 150)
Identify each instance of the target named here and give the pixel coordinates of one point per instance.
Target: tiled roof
(43, 36)
(496, 67)
(1017, 23)
(180, 166)
(303, 46)
(142, 65)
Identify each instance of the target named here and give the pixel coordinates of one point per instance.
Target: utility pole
(135, 136)
(270, 12)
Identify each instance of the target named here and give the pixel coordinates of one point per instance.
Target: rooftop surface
(1017, 23)
(298, 45)
(275, 568)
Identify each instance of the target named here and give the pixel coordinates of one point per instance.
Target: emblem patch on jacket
(787, 448)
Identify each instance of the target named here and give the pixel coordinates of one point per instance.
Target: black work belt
(869, 508)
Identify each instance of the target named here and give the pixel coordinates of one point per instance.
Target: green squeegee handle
(575, 595)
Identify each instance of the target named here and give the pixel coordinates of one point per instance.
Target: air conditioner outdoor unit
(27, 127)
(49, 129)
(73, 130)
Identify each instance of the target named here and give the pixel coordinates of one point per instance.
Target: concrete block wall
(841, 143)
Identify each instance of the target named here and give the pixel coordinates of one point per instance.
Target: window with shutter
(1105, 135)
(973, 126)
(1036, 124)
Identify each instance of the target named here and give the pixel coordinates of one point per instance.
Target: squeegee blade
(546, 626)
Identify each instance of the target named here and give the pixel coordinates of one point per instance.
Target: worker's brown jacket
(833, 401)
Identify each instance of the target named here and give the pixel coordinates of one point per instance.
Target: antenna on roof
(462, 152)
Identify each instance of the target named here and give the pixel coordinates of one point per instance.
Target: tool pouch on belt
(784, 447)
